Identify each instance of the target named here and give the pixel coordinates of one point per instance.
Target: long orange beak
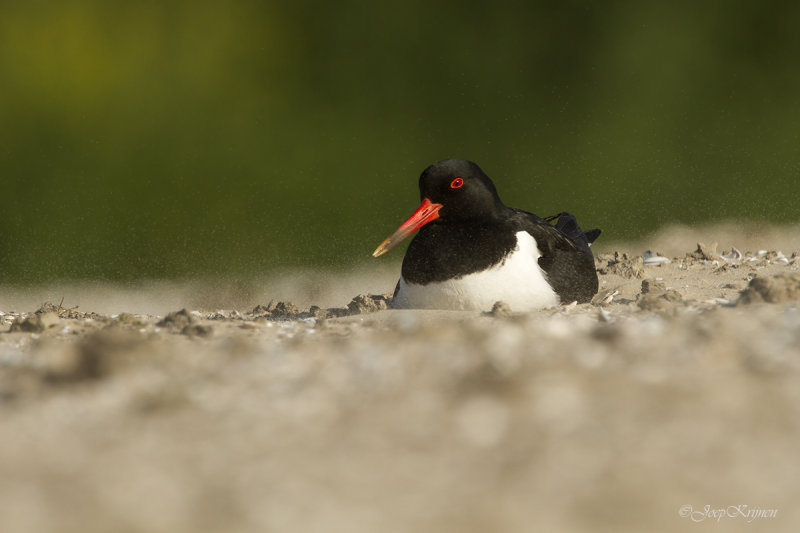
(425, 213)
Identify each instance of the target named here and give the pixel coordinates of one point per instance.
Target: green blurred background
(177, 139)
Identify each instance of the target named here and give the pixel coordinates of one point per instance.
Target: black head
(453, 190)
(462, 188)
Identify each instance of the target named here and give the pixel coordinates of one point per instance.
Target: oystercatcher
(472, 250)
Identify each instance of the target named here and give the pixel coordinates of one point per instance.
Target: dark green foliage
(163, 139)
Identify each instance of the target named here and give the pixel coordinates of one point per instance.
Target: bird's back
(566, 259)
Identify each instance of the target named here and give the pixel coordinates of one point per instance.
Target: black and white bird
(472, 250)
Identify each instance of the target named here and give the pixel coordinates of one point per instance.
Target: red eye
(456, 183)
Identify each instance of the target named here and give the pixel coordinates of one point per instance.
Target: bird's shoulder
(548, 238)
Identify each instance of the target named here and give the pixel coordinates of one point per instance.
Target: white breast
(518, 281)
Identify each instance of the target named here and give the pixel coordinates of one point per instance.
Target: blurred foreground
(612, 416)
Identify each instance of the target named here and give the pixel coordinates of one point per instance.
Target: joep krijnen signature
(742, 512)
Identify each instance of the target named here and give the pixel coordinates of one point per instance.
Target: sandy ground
(671, 403)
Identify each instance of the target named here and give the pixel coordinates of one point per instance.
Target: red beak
(425, 213)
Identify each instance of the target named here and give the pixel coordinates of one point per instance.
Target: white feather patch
(518, 281)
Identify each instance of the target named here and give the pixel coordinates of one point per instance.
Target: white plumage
(518, 281)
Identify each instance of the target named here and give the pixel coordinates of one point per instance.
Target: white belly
(518, 281)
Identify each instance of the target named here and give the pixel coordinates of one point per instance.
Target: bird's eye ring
(456, 183)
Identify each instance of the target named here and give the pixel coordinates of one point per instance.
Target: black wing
(566, 257)
(567, 224)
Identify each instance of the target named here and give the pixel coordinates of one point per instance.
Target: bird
(472, 251)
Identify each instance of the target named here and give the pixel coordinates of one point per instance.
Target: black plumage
(475, 231)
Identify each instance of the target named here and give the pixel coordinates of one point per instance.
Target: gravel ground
(679, 386)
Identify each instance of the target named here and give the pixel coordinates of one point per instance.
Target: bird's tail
(567, 224)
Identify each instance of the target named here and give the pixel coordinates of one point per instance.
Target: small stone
(777, 289)
(500, 310)
(284, 310)
(654, 302)
(655, 294)
(276, 309)
(624, 266)
(176, 320)
(708, 253)
(651, 285)
(367, 303)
